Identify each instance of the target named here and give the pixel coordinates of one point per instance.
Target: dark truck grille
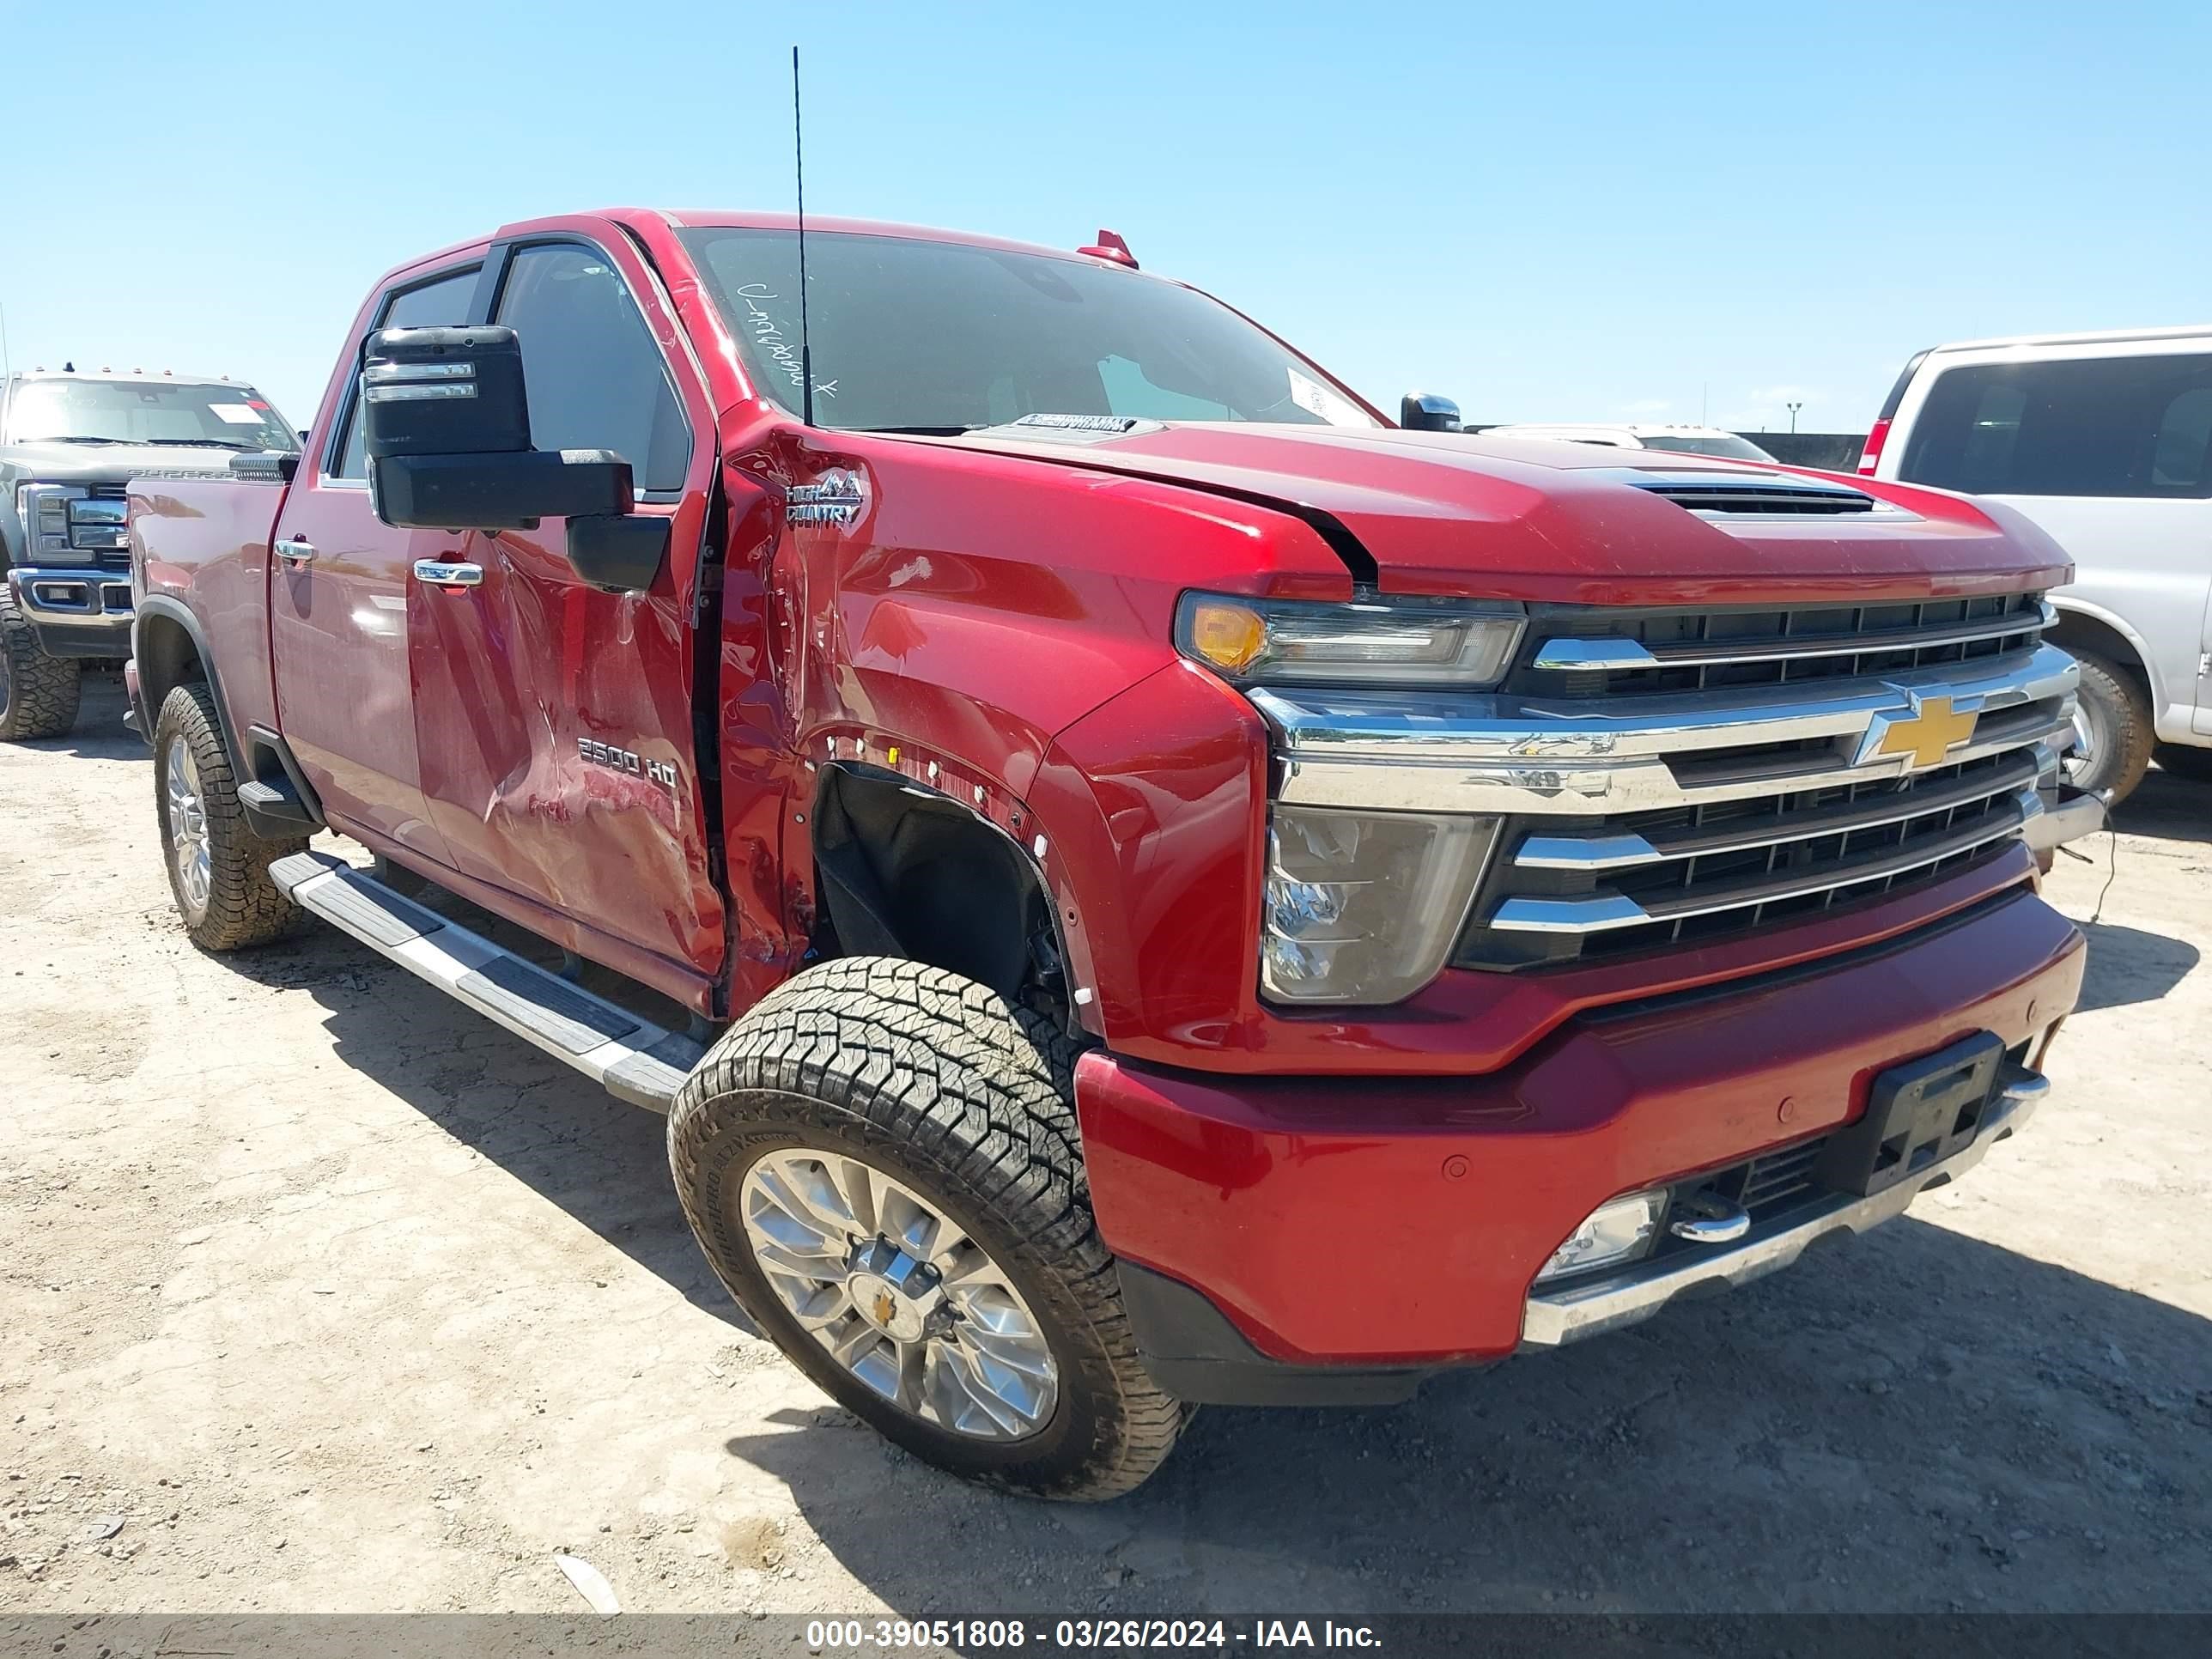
(1574, 651)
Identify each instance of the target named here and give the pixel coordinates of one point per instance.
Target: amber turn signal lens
(1230, 636)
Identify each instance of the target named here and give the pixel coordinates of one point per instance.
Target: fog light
(1620, 1229)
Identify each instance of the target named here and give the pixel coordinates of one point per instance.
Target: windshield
(909, 334)
(190, 413)
(1734, 449)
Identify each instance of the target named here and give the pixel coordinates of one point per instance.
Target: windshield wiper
(194, 443)
(62, 438)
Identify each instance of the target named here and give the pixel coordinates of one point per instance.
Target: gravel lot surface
(318, 1293)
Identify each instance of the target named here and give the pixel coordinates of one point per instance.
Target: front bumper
(1593, 1306)
(2078, 813)
(76, 611)
(1374, 1225)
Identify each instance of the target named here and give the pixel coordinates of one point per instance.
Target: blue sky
(1589, 211)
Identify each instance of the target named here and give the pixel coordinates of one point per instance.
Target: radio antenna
(799, 166)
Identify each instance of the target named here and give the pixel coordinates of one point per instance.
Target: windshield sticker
(1316, 398)
(237, 414)
(778, 355)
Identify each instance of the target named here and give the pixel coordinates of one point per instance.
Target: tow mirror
(1425, 411)
(445, 426)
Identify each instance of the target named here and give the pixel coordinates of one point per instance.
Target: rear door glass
(2130, 427)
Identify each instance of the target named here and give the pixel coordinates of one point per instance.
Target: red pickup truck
(1137, 881)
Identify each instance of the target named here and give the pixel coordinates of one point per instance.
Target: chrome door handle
(439, 574)
(296, 551)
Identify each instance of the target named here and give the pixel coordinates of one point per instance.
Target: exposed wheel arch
(906, 872)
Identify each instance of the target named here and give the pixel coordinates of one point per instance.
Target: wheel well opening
(2084, 635)
(903, 872)
(166, 658)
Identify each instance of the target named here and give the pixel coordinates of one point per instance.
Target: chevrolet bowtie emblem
(1926, 732)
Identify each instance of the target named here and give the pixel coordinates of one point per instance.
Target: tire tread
(922, 1058)
(244, 905)
(44, 692)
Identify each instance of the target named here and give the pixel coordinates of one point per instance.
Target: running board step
(633, 1058)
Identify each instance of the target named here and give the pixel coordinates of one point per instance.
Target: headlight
(1360, 643)
(61, 519)
(1363, 907)
(1620, 1229)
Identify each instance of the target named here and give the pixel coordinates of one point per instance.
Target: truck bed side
(200, 558)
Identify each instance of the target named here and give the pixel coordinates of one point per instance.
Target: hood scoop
(1754, 495)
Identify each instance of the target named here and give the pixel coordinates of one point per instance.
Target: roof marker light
(1109, 246)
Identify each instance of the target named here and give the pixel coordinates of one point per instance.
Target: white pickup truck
(2105, 442)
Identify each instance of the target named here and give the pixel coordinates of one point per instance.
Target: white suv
(2105, 440)
(1681, 439)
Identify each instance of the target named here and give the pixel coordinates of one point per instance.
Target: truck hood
(1445, 514)
(90, 464)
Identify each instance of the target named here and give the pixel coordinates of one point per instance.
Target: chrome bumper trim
(1411, 751)
(80, 595)
(1569, 1314)
(2071, 819)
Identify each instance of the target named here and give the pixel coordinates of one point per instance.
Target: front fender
(1156, 808)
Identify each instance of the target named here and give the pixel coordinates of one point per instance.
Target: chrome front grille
(1576, 651)
(1604, 886)
(1664, 821)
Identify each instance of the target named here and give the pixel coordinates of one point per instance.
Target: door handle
(439, 574)
(297, 551)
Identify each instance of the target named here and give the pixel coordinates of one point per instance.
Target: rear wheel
(2184, 762)
(218, 868)
(2112, 735)
(38, 693)
(881, 1163)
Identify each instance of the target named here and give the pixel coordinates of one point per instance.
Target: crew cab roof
(124, 374)
(2093, 337)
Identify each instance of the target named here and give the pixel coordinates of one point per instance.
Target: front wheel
(2111, 736)
(881, 1164)
(218, 867)
(38, 693)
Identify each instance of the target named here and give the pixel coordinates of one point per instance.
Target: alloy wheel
(2083, 747)
(189, 852)
(898, 1294)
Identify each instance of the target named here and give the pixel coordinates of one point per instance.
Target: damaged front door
(554, 719)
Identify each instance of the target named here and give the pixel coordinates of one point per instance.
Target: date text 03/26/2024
(973, 1635)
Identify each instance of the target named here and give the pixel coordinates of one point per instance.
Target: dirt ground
(319, 1293)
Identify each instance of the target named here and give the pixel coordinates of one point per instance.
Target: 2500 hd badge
(628, 761)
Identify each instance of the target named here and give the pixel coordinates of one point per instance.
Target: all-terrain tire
(942, 1085)
(243, 906)
(38, 693)
(2117, 712)
(2184, 762)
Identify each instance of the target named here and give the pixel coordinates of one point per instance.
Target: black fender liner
(906, 871)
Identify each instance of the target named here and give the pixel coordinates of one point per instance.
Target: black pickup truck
(69, 443)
